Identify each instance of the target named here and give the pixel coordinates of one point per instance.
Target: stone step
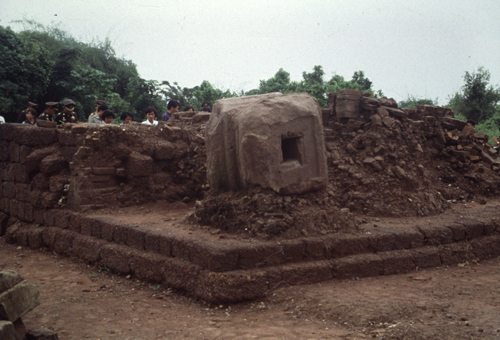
(252, 281)
(221, 255)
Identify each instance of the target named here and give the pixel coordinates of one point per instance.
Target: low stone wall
(84, 166)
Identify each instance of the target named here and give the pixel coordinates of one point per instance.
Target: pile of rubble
(386, 161)
(261, 213)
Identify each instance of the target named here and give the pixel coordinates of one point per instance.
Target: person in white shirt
(151, 114)
(2, 120)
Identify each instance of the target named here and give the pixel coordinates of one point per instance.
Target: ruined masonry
(314, 192)
(272, 140)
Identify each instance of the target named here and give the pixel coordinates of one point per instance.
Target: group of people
(172, 107)
(102, 114)
(67, 115)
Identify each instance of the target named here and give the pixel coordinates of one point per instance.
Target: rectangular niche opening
(290, 149)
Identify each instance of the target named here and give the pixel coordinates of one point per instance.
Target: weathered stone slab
(33, 160)
(273, 140)
(397, 112)
(42, 334)
(8, 279)
(104, 171)
(7, 330)
(164, 150)
(18, 300)
(139, 165)
(26, 135)
(369, 103)
(201, 117)
(52, 163)
(389, 102)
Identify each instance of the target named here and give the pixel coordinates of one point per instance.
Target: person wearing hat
(67, 115)
(22, 116)
(98, 119)
(49, 113)
(94, 115)
(206, 107)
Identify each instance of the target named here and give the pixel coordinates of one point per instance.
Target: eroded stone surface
(18, 300)
(273, 141)
(7, 330)
(42, 334)
(8, 279)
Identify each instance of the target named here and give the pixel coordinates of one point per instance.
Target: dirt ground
(84, 302)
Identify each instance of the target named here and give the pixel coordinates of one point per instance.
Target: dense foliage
(24, 73)
(314, 84)
(43, 64)
(478, 101)
(412, 101)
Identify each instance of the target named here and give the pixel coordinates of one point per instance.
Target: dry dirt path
(82, 302)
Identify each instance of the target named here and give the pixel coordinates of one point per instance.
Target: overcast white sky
(420, 48)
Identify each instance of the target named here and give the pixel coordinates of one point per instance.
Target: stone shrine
(272, 140)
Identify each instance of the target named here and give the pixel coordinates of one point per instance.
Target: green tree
(280, 82)
(207, 93)
(24, 73)
(184, 95)
(314, 84)
(88, 84)
(478, 99)
(85, 72)
(413, 101)
(490, 126)
(358, 82)
(359, 78)
(143, 93)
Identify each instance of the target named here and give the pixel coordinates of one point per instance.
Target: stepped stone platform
(218, 267)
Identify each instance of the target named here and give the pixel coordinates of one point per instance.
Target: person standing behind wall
(49, 113)
(97, 103)
(30, 117)
(172, 107)
(22, 116)
(67, 115)
(150, 113)
(126, 118)
(97, 119)
(205, 107)
(108, 116)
